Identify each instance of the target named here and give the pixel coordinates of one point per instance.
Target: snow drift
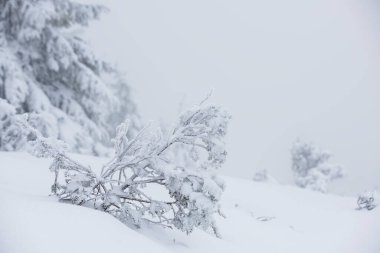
(261, 217)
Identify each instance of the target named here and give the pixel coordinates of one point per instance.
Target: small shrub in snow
(366, 200)
(189, 194)
(261, 176)
(311, 167)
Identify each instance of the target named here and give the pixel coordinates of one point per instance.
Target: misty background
(283, 69)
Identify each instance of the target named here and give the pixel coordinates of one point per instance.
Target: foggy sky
(283, 69)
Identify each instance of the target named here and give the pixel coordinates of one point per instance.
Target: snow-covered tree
(145, 182)
(311, 167)
(48, 71)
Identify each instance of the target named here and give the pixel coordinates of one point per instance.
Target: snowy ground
(260, 218)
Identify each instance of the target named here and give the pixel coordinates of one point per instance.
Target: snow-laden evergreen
(311, 167)
(192, 190)
(48, 71)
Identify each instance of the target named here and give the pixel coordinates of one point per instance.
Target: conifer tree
(50, 72)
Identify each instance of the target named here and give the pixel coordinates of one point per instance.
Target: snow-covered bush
(263, 176)
(311, 167)
(366, 200)
(260, 176)
(188, 196)
(47, 70)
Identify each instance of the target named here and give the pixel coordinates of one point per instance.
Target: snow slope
(260, 218)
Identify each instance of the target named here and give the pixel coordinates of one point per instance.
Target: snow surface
(261, 217)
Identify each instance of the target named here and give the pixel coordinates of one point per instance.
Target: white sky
(284, 69)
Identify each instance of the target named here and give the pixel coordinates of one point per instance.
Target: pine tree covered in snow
(48, 71)
(311, 167)
(145, 182)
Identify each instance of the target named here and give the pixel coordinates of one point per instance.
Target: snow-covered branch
(188, 193)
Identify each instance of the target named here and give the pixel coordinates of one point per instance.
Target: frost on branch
(311, 167)
(38, 145)
(145, 182)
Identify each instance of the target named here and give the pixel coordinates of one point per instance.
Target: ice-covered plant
(260, 176)
(145, 182)
(263, 176)
(366, 200)
(311, 167)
